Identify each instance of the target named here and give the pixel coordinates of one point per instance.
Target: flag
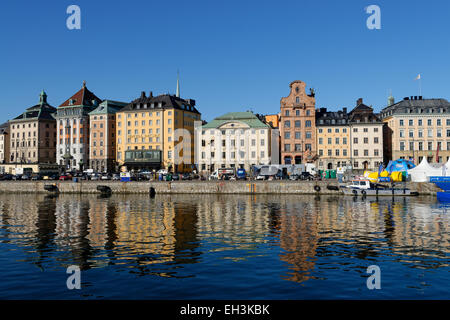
(418, 77)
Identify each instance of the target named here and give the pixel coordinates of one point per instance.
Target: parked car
(116, 177)
(17, 177)
(175, 176)
(106, 177)
(186, 176)
(95, 177)
(7, 177)
(65, 177)
(306, 176)
(294, 177)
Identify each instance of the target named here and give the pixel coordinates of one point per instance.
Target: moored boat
(363, 187)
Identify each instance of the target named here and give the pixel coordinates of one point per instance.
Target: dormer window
(297, 100)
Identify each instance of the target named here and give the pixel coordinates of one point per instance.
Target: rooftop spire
(42, 97)
(84, 83)
(178, 83)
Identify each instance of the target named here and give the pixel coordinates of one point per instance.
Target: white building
(235, 140)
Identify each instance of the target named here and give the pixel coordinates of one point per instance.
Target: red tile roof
(82, 97)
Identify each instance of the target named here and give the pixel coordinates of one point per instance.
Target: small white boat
(363, 187)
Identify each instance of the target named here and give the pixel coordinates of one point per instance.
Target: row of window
(17, 126)
(143, 140)
(430, 133)
(150, 131)
(298, 112)
(297, 147)
(421, 144)
(297, 123)
(233, 131)
(420, 122)
(337, 152)
(233, 143)
(28, 143)
(233, 155)
(74, 151)
(298, 135)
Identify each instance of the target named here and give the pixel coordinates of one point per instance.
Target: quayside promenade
(194, 187)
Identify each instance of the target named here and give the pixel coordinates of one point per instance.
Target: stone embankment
(192, 187)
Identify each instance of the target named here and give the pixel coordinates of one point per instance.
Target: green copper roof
(244, 117)
(108, 107)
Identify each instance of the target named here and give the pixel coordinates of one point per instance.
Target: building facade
(4, 143)
(235, 140)
(333, 139)
(417, 128)
(165, 123)
(366, 138)
(102, 140)
(297, 125)
(72, 119)
(33, 134)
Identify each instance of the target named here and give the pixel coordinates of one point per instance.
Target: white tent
(423, 171)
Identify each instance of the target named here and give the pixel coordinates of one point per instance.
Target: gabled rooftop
(82, 97)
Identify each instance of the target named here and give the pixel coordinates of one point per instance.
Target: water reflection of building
(237, 222)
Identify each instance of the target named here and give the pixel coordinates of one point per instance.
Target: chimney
(344, 110)
(142, 94)
(415, 97)
(420, 98)
(359, 101)
(405, 98)
(150, 94)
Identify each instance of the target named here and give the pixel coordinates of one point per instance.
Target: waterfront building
(4, 144)
(73, 129)
(164, 123)
(417, 128)
(102, 140)
(333, 138)
(366, 138)
(297, 125)
(33, 134)
(235, 140)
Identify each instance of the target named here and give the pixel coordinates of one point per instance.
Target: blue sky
(232, 55)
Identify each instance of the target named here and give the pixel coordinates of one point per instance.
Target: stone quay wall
(193, 187)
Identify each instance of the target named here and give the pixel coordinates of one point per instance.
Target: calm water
(223, 247)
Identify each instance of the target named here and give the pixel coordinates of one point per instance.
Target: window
(420, 146)
(330, 152)
(411, 133)
(298, 147)
(336, 141)
(298, 135)
(287, 147)
(430, 133)
(366, 140)
(308, 135)
(419, 122)
(429, 122)
(344, 152)
(337, 152)
(262, 142)
(355, 140)
(411, 122)
(336, 130)
(411, 145)
(355, 129)
(329, 130)
(297, 123)
(329, 141)
(439, 133)
(439, 122)
(308, 147)
(287, 135)
(366, 153)
(344, 140)
(287, 124)
(355, 153)
(366, 130)
(402, 146)
(430, 145)
(286, 113)
(320, 140)
(375, 140)
(308, 123)
(401, 123)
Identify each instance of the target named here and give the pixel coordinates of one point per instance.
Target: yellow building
(333, 138)
(164, 123)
